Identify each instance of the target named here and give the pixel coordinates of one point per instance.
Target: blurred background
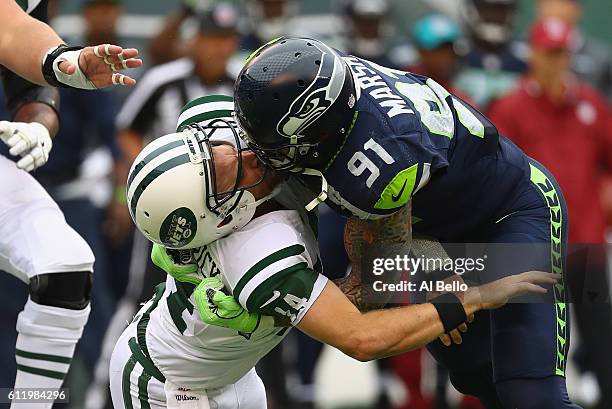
(541, 69)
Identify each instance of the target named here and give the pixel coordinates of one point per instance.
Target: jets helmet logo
(318, 96)
(179, 228)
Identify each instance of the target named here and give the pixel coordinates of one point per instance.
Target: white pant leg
(248, 393)
(124, 374)
(34, 236)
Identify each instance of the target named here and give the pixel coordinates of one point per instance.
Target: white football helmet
(172, 188)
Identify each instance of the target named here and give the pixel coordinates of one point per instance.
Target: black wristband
(42, 95)
(47, 65)
(451, 311)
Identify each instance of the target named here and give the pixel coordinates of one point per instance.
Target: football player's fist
(185, 271)
(222, 310)
(30, 141)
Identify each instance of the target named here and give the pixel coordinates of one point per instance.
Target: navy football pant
(514, 357)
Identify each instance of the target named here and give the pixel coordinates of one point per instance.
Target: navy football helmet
(295, 103)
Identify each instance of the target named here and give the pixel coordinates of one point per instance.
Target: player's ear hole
(225, 221)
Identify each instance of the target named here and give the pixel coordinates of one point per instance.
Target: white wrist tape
(75, 80)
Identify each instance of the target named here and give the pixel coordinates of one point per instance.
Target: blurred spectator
(169, 44)
(563, 123)
(435, 37)
(267, 20)
(101, 17)
(369, 30)
(494, 62)
(591, 62)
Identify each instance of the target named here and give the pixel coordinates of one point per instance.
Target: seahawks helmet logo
(318, 96)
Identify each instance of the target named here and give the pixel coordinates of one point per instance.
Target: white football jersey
(270, 266)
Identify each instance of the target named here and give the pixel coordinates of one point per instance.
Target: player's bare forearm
(41, 113)
(376, 334)
(24, 41)
(366, 237)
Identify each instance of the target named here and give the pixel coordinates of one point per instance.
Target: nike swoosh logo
(274, 297)
(395, 198)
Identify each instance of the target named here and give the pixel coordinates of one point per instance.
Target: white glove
(31, 141)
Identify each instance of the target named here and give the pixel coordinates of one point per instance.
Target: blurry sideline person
(38, 246)
(267, 20)
(262, 21)
(566, 125)
(168, 44)
(591, 58)
(368, 30)
(495, 61)
(101, 18)
(435, 37)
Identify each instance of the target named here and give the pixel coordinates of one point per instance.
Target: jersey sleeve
(272, 274)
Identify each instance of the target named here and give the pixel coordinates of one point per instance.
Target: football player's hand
(30, 141)
(97, 66)
(184, 271)
(222, 310)
(454, 337)
(497, 293)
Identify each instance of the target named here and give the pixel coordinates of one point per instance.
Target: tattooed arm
(363, 237)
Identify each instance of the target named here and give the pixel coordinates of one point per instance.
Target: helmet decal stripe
(204, 115)
(254, 53)
(151, 166)
(215, 106)
(164, 148)
(154, 174)
(207, 99)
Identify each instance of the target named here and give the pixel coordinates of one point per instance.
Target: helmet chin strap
(252, 203)
(323, 195)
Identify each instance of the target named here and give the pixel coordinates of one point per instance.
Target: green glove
(222, 310)
(168, 260)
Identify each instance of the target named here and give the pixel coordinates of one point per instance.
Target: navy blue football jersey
(413, 141)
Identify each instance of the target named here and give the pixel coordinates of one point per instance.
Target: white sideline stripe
(146, 25)
(129, 25)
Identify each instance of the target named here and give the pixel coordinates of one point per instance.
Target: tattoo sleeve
(372, 237)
